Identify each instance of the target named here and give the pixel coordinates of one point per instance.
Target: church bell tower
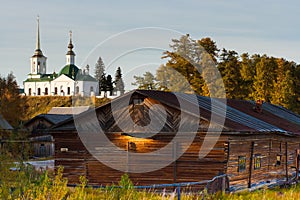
(70, 56)
(38, 60)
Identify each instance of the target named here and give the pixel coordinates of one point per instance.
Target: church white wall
(37, 88)
(63, 86)
(87, 88)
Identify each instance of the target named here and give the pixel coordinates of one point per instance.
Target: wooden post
(269, 154)
(128, 149)
(228, 153)
(286, 162)
(297, 164)
(175, 162)
(251, 164)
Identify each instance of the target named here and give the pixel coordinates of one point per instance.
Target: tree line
(105, 82)
(245, 76)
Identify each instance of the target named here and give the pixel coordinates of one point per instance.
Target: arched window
(46, 91)
(29, 91)
(55, 90)
(39, 91)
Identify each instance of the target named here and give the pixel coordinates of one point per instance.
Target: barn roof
(68, 110)
(52, 118)
(271, 114)
(240, 115)
(4, 125)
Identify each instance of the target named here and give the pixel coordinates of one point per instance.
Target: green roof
(69, 70)
(44, 78)
(81, 77)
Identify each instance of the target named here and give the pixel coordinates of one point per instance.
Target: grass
(28, 184)
(48, 187)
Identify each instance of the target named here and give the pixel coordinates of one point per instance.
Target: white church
(69, 81)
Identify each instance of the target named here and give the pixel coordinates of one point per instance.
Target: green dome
(69, 70)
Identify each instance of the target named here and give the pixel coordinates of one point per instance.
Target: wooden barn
(43, 145)
(259, 142)
(5, 130)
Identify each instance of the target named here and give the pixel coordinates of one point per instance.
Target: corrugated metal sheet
(282, 112)
(271, 114)
(233, 114)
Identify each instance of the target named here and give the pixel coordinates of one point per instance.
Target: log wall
(73, 156)
(269, 147)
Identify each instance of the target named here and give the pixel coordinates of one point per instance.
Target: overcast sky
(264, 27)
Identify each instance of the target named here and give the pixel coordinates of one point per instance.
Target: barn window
(242, 163)
(138, 101)
(257, 161)
(278, 160)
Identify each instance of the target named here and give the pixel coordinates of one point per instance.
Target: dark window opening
(278, 160)
(46, 91)
(55, 90)
(39, 91)
(257, 161)
(242, 163)
(69, 90)
(138, 101)
(29, 91)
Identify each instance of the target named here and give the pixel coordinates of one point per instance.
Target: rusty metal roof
(240, 115)
(275, 115)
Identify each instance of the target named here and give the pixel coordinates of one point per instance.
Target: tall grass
(27, 184)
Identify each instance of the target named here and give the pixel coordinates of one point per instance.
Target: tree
(103, 83)
(296, 79)
(247, 72)
(283, 93)
(184, 58)
(263, 79)
(109, 84)
(168, 79)
(100, 74)
(10, 100)
(146, 82)
(210, 47)
(119, 83)
(229, 68)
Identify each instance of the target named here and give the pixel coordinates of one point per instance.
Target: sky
(133, 34)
